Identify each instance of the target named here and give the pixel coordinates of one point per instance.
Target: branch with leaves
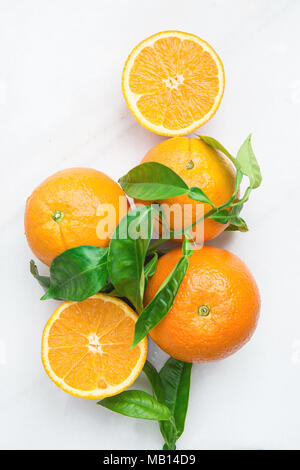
(168, 405)
(124, 268)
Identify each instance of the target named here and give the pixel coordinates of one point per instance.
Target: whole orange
(215, 311)
(76, 206)
(198, 165)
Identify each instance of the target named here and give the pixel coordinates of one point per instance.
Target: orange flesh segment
(89, 345)
(178, 82)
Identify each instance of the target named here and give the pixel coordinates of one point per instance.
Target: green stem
(58, 216)
(244, 198)
(209, 213)
(179, 232)
(159, 242)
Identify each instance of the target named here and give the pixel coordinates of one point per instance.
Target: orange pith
(215, 311)
(211, 171)
(76, 196)
(86, 347)
(173, 82)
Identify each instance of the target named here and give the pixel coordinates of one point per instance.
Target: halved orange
(173, 82)
(86, 347)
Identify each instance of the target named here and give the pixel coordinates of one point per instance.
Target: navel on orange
(173, 82)
(86, 347)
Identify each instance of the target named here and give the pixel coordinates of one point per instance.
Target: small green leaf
(221, 216)
(198, 195)
(152, 181)
(216, 145)
(240, 227)
(160, 305)
(137, 404)
(175, 377)
(247, 163)
(44, 281)
(77, 273)
(236, 222)
(187, 247)
(232, 217)
(236, 210)
(127, 253)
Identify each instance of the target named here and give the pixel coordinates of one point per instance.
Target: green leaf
(216, 145)
(175, 377)
(151, 181)
(150, 267)
(167, 428)
(221, 216)
(247, 163)
(160, 305)
(155, 381)
(198, 195)
(137, 404)
(187, 247)
(127, 252)
(236, 210)
(238, 180)
(77, 273)
(44, 281)
(236, 222)
(241, 226)
(169, 447)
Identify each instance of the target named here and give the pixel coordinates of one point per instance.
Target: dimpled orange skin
(79, 193)
(215, 278)
(212, 172)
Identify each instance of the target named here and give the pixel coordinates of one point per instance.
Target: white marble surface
(61, 105)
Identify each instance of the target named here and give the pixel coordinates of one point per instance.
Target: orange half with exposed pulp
(86, 347)
(173, 82)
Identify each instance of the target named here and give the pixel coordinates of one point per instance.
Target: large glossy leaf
(77, 273)
(137, 404)
(151, 181)
(127, 252)
(175, 377)
(160, 305)
(247, 163)
(198, 195)
(44, 281)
